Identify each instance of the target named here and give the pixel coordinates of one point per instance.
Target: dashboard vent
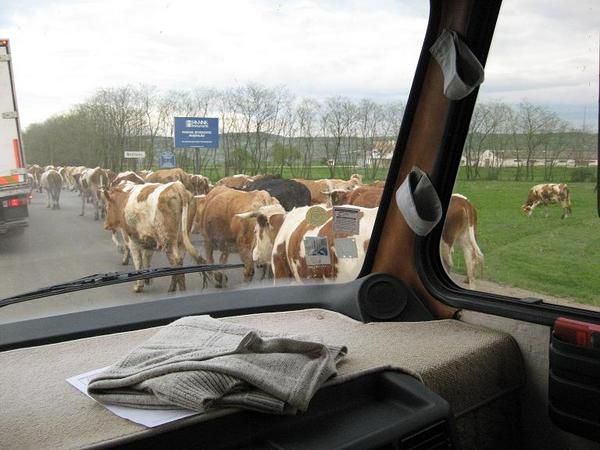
(436, 437)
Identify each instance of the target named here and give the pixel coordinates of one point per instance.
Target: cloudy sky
(545, 51)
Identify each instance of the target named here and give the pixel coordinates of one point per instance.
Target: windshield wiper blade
(108, 278)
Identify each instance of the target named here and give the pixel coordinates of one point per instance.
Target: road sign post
(134, 155)
(166, 160)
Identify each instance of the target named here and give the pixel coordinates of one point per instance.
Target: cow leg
(446, 251)
(120, 247)
(246, 257)
(95, 202)
(82, 204)
(263, 271)
(473, 256)
(209, 248)
(48, 203)
(220, 277)
(176, 259)
(146, 258)
(136, 254)
(566, 210)
(125, 250)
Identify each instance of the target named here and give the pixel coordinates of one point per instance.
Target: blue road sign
(196, 132)
(166, 160)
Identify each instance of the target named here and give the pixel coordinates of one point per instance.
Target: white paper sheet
(147, 417)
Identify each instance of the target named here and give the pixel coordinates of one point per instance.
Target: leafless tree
(535, 123)
(337, 122)
(486, 121)
(307, 114)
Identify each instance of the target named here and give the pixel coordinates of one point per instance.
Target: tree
(486, 121)
(307, 115)
(535, 123)
(337, 123)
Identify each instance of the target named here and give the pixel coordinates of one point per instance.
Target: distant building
(381, 153)
(509, 158)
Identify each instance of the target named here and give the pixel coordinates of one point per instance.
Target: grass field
(542, 254)
(317, 172)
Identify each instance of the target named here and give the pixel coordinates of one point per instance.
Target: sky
(544, 51)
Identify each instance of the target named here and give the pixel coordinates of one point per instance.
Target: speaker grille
(382, 297)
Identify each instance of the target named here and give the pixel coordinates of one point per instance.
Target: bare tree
(535, 123)
(337, 121)
(388, 127)
(486, 120)
(307, 114)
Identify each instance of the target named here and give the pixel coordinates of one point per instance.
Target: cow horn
(247, 215)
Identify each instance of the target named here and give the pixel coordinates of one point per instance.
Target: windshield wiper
(108, 278)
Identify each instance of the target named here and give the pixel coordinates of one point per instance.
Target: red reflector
(14, 202)
(582, 334)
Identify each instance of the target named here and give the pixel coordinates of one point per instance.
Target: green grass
(215, 173)
(543, 254)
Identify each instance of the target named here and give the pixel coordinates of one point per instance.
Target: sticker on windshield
(317, 251)
(345, 248)
(316, 216)
(346, 220)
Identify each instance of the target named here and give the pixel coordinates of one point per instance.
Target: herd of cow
(269, 221)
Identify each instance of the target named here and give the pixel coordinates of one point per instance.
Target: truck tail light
(14, 202)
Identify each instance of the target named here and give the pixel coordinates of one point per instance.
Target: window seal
(427, 257)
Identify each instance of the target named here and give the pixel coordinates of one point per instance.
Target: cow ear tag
(418, 202)
(316, 216)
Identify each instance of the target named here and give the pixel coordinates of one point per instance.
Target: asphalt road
(60, 246)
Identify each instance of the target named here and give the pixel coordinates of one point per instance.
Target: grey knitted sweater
(200, 363)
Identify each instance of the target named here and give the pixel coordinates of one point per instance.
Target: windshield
(170, 134)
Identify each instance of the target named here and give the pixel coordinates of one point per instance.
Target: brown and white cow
(127, 176)
(51, 182)
(92, 182)
(153, 217)
(196, 184)
(365, 196)
(545, 194)
(461, 227)
(110, 175)
(238, 181)
(200, 184)
(144, 173)
(217, 220)
(378, 183)
(283, 238)
(75, 178)
(319, 188)
(268, 222)
(36, 172)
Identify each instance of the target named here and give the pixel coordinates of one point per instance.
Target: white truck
(15, 186)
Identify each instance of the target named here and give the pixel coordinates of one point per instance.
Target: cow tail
(186, 235)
